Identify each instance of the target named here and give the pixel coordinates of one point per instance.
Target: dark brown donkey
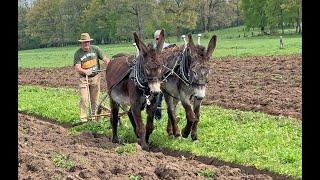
(186, 80)
(135, 86)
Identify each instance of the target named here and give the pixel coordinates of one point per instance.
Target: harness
(137, 75)
(180, 62)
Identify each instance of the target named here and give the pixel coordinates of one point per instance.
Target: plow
(101, 110)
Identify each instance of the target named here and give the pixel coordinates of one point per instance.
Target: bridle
(182, 63)
(139, 77)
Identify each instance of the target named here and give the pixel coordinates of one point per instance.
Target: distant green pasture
(228, 44)
(62, 56)
(249, 138)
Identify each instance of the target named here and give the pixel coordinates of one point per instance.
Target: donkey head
(151, 65)
(199, 70)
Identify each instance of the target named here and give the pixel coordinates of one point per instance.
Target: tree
(73, 18)
(274, 14)
(294, 10)
(24, 41)
(46, 23)
(235, 5)
(214, 6)
(95, 20)
(254, 13)
(139, 11)
(181, 13)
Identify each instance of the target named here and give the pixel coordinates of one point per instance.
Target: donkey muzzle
(154, 87)
(200, 92)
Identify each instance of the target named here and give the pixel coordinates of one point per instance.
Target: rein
(180, 61)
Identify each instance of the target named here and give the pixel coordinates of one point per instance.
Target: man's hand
(106, 61)
(88, 72)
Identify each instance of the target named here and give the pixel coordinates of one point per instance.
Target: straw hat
(85, 37)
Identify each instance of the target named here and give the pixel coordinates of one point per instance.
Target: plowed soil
(93, 156)
(270, 84)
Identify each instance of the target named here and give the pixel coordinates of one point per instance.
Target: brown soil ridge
(270, 84)
(94, 157)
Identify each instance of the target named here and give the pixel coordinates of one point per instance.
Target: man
(86, 63)
(156, 38)
(158, 114)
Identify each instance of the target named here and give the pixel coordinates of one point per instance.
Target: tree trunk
(262, 30)
(209, 25)
(204, 25)
(139, 21)
(203, 17)
(178, 32)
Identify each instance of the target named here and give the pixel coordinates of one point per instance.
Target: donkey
(186, 78)
(136, 86)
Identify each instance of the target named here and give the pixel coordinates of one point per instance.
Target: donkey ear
(160, 42)
(211, 46)
(141, 46)
(191, 43)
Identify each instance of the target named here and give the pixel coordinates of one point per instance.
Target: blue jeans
(158, 114)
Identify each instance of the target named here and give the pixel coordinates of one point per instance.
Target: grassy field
(228, 44)
(250, 138)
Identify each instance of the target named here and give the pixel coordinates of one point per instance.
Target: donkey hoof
(145, 147)
(170, 133)
(177, 135)
(194, 137)
(185, 134)
(115, 140)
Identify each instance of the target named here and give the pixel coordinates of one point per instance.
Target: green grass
(126, 148)
(228, 44)
(206, 173)
(63, 162)
(49, 102)
(135, 177)
(249, 138)
(62, 56)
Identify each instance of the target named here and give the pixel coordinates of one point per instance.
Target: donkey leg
(196, 109)
(114, 120)
(133, 123)
(175, 127)
(151, 110)
(169, 102)
(190, 117)
(140, 129)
